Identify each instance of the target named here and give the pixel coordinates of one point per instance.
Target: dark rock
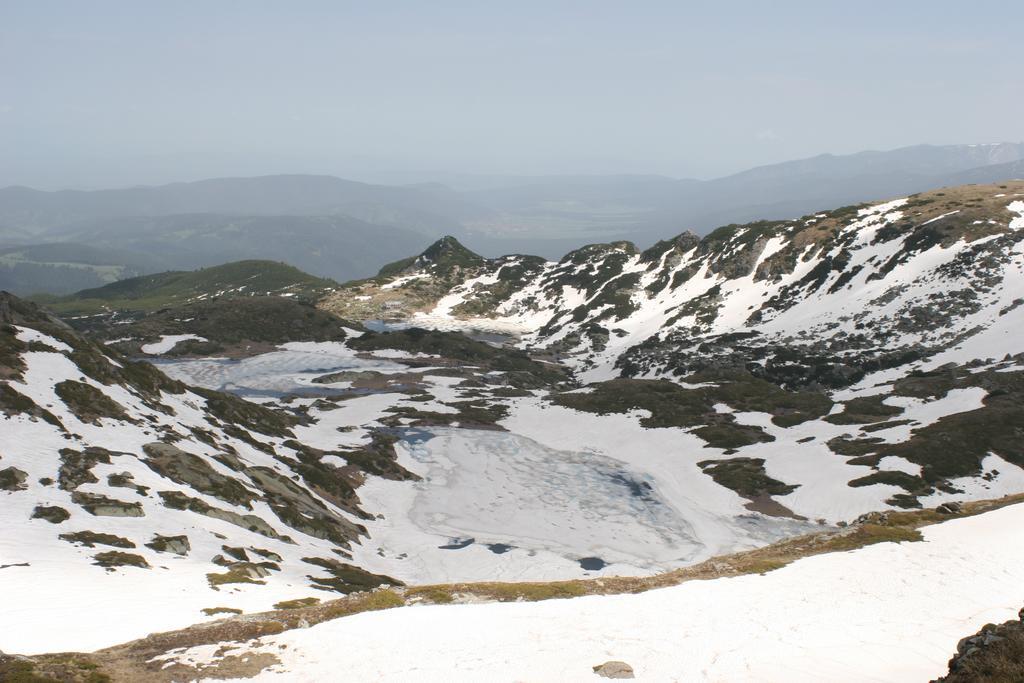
(178, 545)
(51, 513)
(102, 506)
(13, 479)
(994, 653)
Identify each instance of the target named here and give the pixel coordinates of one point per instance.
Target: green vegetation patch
(672, 405)
(13, 479)
(864, 410)
(927, 385)
(153, 292)
(90, 539)
(191, 470)
(955, 445)
(914, 485)
(443, 258)
(234, 411)
(177, 500)
(472, 414)
(857, 448)
(51, 513)
(76, 466)
(458, 347)
(881, 426)
(13, 402)
(58, 668)
(102, 506)
(178, 545)
(297, 603)
(231, 323)
(742, 391)
(241, 572)
(112, 559)
(346, 578)
(729, 435)
(88, 403)
(669, 405)
(745, 476)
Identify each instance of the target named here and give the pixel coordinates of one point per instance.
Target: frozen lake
(274, 374)
(502, 488)
(495, 504)
(507, 505)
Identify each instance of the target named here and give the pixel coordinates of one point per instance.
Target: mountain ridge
(943, 217)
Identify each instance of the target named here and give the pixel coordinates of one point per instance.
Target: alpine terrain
(787, 450)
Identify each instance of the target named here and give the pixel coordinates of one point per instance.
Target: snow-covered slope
(814, 301)
(886, 613)
(128, 495)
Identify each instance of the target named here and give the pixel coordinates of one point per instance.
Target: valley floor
(888, 612)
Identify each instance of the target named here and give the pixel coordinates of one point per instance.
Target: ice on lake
(549, 513)
(274, 374)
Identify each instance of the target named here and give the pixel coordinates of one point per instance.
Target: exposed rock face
(51, 513)
(12, 479)
(178, 545)
(103, 506)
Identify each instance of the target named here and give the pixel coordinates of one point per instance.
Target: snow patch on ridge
(168, 342)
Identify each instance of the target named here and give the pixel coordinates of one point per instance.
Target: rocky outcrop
(13, 479)
(995, 653)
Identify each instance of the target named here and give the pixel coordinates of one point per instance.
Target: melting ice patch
(553, 513)
(288, 371)
(501, 487)
(168, 342)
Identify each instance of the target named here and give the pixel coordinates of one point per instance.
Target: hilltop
(235, 309)
(149, 293)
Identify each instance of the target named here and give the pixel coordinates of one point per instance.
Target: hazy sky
(100, 93)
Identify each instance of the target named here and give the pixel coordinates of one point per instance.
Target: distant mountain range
(427, 208)
(339, 228)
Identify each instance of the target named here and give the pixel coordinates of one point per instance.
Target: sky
(112, 93)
